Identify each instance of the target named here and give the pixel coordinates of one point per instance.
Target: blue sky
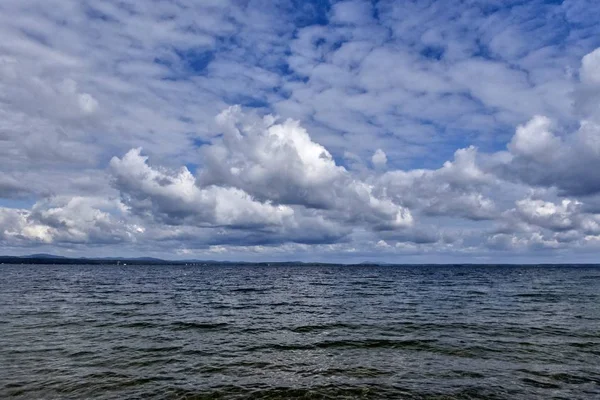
(402, 131)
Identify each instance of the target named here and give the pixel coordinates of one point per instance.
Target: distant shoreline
(58, 260)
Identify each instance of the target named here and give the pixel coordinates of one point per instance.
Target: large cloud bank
(264, 182)
(378, 132)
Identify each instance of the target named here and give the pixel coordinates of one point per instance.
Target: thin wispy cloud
(382, 130)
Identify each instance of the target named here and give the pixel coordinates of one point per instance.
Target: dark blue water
(333, 332)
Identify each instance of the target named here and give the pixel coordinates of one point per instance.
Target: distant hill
(43, 255)
(145, 259)
(50, 259)
(53, 259)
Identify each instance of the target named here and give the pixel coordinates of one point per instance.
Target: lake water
(177, 332)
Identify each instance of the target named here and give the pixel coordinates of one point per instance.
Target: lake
(323, 332)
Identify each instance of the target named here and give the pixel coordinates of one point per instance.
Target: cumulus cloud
(568, 162)
(562, 217)
(279, 162)
(75, 220)
(379, 158)
(548, 215)
(16, 227)
(455, 189)
(174, 198)
(590, 68)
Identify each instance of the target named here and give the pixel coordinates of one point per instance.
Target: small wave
(143, 381)
(156, 361)
(249, 290)
(539, 297)
(319, 328)
(323, 284)
(81, 353)
(182, 326)
(122, 303)
(540, 384)
(156, 349)
(140, 324)
(377, 343)
(467, 374)
(331, 392)
(356, 344)
(574, 379)
(584, 345)
(564, 377)
(358, 372)
(105, 375)
(476, 293)
(161, 349)
(275, 393)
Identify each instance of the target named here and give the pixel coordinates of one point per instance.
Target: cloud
(568, 162)
(566, 220)
(42, 118)
(556, 217)
(174, 198)
(381, 74)
(15, 227)
(590, 68)
(279, 162)
(455, 189)
(352, 129)
(75, 220)
(11, 187)
(351, 12)
(379, 158)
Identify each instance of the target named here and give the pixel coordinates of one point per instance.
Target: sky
(400, 131)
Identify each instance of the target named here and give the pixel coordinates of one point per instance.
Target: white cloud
(280, 162)
(174, 198)
(76, 220)
(351, 12)
(568, 162)
(534, 140)
(379, 158)
(590, 68)
(454, 190)
(548, 215)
